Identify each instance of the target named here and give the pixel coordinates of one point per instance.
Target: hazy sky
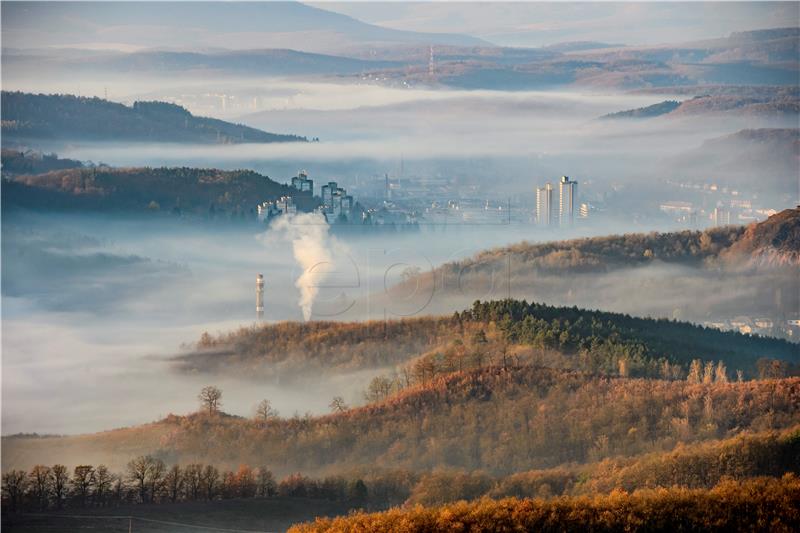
(131, 26)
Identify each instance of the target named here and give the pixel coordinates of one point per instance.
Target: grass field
(254, 514)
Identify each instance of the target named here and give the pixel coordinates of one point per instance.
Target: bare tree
(139, 473)
(60, 480)
(265, 411)
(102, 484)
(266, 483)
(173, 481)
(14, 484)
(338, 405)
(157, 471)
(193, 479)
(210, 481)
(41, 480)
(82, 481)
(210, 398)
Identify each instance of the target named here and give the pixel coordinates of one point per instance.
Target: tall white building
(568, 195)
(544, 205)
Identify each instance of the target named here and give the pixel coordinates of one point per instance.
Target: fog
(94, 307)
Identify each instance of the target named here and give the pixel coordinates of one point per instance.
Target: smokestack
(259, 297)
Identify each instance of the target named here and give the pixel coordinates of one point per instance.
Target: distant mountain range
(30, 117)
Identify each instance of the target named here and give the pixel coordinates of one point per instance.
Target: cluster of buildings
(549, 214)
(760, 326)
(337, 205)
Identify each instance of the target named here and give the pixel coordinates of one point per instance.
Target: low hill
(29, 117)
(205, 192)
(655, 110)
(774, 241)
(603, 254)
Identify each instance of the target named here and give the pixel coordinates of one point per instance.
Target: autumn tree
(210, 398)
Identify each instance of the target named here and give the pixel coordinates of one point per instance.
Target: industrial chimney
(259, 296)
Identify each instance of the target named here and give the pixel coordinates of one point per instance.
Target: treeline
(62, 116)
(148, 480)
(763, 504)
(203, 192)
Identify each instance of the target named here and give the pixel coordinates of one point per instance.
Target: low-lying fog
(94, 307)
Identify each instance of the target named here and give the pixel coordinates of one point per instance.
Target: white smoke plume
(311, 246)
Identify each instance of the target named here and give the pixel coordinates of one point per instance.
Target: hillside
(773, 154)
(754, 505)
(422, 348)
(775, 241)
(29, 117)
(196, 191)
(500, 420)
(604, 254)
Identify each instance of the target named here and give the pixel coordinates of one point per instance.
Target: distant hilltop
(35, 117)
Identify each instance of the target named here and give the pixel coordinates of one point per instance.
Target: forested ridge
(205, 192)
(66, 117)
(567, 337)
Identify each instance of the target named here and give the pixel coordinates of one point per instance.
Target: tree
(41, 479)
(14, 484)
(379, 388)
(245, 482)
(265, 411)
(102, 484)
(82, 482)
(141, 471)
(357, 492)
(210, 481)
(721, 373)
(60, 480)
(695, 372)
(157, 471)
(338, 405)
(193, 480)
(210, 398)
(173, 483)
(266, 483)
